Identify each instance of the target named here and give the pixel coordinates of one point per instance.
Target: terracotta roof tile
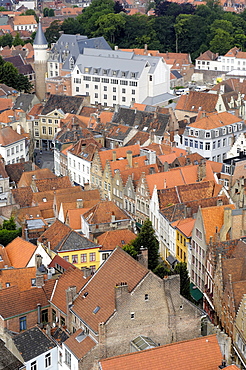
(207, 55)
(185, 226)
(139, 138)
(20, 277)
(55, 234)
(57, 260)
(55, 183)
(213, 217)
(71, 277)
(4, 259)
(102, 213)
(205, 352)
(195, 101)
(115, 238)
(73, 218)
(107, 155)
(27, 177)
(79, 349)
(5, 104)
(75, 193)
(212, 121)
(24, 19)
(123, 164)
(16, 170)
(135, 173)
(23, 196)
(8, 136)
(119, 267)
(20, 252)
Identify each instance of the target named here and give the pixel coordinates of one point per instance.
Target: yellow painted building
(183, 237)
(88, 257)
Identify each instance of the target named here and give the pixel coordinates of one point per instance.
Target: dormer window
(87, 69)
(191, 132)
(114, 73)
(123, 74)
(196, 133)
(234, 128)
(207, 135)
(105, 71)
(133, 75)
(239, 126)
(229, 129)
(216, 133)
(96, 71)
(224, 130)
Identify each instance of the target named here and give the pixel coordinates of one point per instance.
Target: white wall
(45, 257)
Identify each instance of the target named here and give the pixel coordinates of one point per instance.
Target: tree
(8, 231)
(130, 250)
(181, 269)
(9, 224)
(6, 40)
(110, 26)
(222, 42)
(9, 75)
(118, 8)
(147, 239)
(162, 270)
(17, 40)
(52, 33)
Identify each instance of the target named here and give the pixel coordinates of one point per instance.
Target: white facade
(117, 77)
(209, 65)
(79, 169)
(45, 257)
(13, 152)
(70, 361)
(29, 4)
(25, 27)
(231, 61)
(47, 360)
(212, 144)
(238, 146)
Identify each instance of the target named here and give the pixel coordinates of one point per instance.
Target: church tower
(40, 47)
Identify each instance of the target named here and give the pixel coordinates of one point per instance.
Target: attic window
(85, 294)
(96, 71)
(145, 128)
(81, 336)
(133, 75)
(44, 199)
(86, 69)
(123, 242)
(1, 259)
(192, 107)
(96, 309)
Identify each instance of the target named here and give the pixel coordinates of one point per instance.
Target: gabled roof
(71, 277)
(9, 136)
(119, 267)
(123, 164)
(195, 101)
(20, 252)
(57, 260)
(207, 55)
(24, 343)
(55, 183)
(75, 242)
(7, 359)
(16, 170)
(68, 104)
(27, 177)
(115, 238)
(185, 226)
(204, 351)
(73, 217)
(136, 172)
(215, 120)
(213, 219)
(4, 259)
(54, 234)
(121, 152)
(102, 213)
(24, 19)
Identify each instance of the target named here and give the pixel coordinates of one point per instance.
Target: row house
(212, 135)
(140, 79)
(14, 146)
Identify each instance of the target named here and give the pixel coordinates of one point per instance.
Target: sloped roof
(136, 172)
(73, 217)
(23, 196)
(68, 104)
(40, 37)
(71, 277)
(102, 213)
(185, 226)
(16, 170)
(204, 351)
(4, 259)
(27, 177)
(9, 136)
(207, 55)
(24, 19)
(7, 359)
(24, 343)
(119, 267)
(53, 183)
(215, 120)
(57, 260)
(55, 234)
(75, 242)
(20, 252)
(121, 152)
(20, 277)
(79, 348)
(195, 101)
(115, 238)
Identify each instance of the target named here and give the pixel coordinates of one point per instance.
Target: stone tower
(40, 47)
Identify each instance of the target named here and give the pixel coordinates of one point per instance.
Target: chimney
(145, 49)
(143, 256)
(86, 272)
(39, 313)
(201, 171)
(79, 203)
(87, 186)
(151, 170)
(129, 157)
(112, 217)
(114, 155)
(121, 294)
(223, 364)
(70, 294)
(38, 260)
(116, 48)
(165, 183)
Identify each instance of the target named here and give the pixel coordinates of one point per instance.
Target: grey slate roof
(40, 38)
(68, 104)
(32, 343)
(75, 241)
(158, 99)
(7, 360)
(72, 46)
(24, 102)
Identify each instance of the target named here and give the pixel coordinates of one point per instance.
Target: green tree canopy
(181, 269)
(8, 231)
(9, 75)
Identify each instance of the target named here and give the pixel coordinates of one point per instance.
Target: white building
(25, 22)
(212, 135)
(238, 146)
(13, 146)
(113, 77)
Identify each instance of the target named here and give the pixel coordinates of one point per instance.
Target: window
(105, 96)
(146, 297)
(198, 234)
(21, 147)
(33, 282)
(214, 144)
(133, 92)
(105, 88)
(75, 258)
(151, 78)
(44, 316)
(92, 256)
(66, 258)
(67, 358)
(7, 285)
(44, 130)
(17, 149)
(63, 321)
(123, 99)
(33, 365)
(207, 134)
(77, 89)
(123, 91)
(201, 145)
(93, 269)
(114, 97)
(96, 95)
(114, 89)
(207, 146)
(224, 142)
(12, 150)
(132, 315)
(50, 130)
(8, 152)
(218, 143)
(105, 256)
(48, 360)
(22, 321)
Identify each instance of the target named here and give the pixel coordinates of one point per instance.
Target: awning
(171, 260)
(139, 225)
(195, 292)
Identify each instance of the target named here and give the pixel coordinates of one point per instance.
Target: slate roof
(40, 37)
(23, 196)
(72, 135)
(7, 360)
(15, 170)
(204, 351)
(142, 120)
(74, 242)
(24, 343)
(24, 101)
(102, 213)
(68, 104)
(119, 267)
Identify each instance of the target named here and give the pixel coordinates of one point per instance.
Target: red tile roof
(115, 238)
(195, 101)
(79, 349)
(54, 234)
(204, 351)
(102, 213)
(107, 155)
(27, 177)
(9, 136)
(215, 120)
(20, 277)
(20, 252)
(119, 267)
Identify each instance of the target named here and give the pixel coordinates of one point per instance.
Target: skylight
(96, 309)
